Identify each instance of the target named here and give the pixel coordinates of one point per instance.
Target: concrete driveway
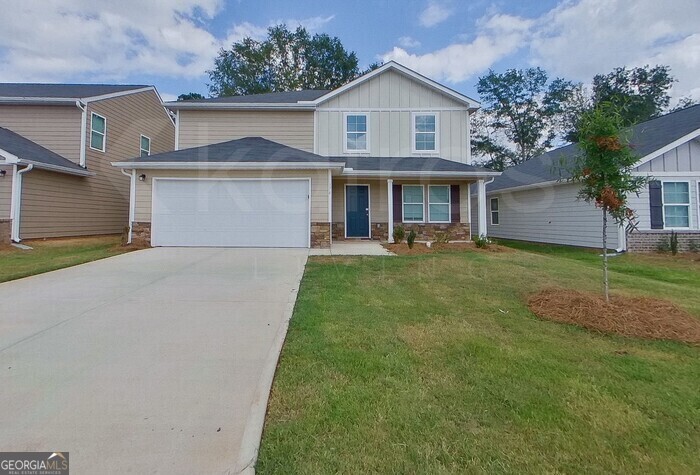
(147, 362)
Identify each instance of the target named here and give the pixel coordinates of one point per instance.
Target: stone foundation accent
(5, 232)
(428, 231)
(379, 231)
(648, 241)
(321, 235)
(141, 234)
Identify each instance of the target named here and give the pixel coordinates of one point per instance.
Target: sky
(172, 43)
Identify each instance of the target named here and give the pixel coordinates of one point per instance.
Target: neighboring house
(297, 169)
(534, 202)
(56, 145)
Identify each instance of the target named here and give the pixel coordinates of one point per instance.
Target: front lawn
(433, 364)
(53, 254)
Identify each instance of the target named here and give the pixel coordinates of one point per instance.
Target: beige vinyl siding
(292, 128)
(54, 127)
(56, 204)
(389, 100)
(319, 187)
(6, 191)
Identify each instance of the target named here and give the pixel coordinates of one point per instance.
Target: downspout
(177, 129)
(132, 200)
(16, 203)
(83, 131)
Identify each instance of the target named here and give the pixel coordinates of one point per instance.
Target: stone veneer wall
(648, 241)
(424, 231)
(320, 235)
(141, 234)
(5, 231)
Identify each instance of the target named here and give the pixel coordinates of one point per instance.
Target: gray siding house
(534, 202)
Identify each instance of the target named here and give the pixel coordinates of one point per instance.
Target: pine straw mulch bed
(420, 248)
(641, 317)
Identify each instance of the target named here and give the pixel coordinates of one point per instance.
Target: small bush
(442, 238)
(411, 239)
(399, 234)
(664, 244)
(673, 242)
(482, 242)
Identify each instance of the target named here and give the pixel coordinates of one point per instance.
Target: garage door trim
(155, 180)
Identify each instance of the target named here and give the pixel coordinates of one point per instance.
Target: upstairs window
(145, 146)
(413, 211)
(98, 132)
(356, 133)
(676, 201)
(494, 211)
(425, 133)
(439, 203)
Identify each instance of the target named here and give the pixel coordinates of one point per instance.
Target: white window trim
(141, 141)
(345, 132)
(104, 135)
(403, 204)
(449, 204)
(413, 134)
(663, 205)
(497, 211)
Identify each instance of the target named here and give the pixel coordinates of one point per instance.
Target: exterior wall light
(142, 177)
(3, 173)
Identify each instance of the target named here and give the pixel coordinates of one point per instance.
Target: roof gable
(16, 148)
(37, 92)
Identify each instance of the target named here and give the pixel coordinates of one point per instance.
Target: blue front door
(357, 210)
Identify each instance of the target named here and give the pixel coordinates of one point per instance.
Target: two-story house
(57, 142)
(298, 169)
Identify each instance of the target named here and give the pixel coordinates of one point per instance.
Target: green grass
(55, 254)
(433, 364)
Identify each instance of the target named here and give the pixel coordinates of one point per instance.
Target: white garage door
(235, 213)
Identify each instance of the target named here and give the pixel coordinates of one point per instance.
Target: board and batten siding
(56, 204)
(389, 100)
(54, 127)
(684, 158)
(551, 214)
(319, 187)
(6, 192)
(206, 127)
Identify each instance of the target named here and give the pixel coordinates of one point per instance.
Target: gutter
(57, 168)
(16, 201)
(240, 106)
(83, 130)
(418, 173)
(227, 165)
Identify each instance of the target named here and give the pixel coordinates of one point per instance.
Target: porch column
(390, 206)
(481, 203)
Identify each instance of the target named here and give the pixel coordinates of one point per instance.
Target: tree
(604, 168)
(285, 61)
(190, 96)
(519, 117)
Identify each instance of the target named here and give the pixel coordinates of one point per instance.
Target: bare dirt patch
(420, 248)
(641, 317)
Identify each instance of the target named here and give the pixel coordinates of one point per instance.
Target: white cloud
(109, 41)
(497, 36)
(408, 42)
(435, 13)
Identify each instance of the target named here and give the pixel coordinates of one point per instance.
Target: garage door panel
(245, 213)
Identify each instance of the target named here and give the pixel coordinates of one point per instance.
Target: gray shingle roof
(258, 149)
(25, 149)
(62, 91)
(291, 97)
(646, 138)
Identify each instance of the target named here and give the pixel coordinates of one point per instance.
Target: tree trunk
(605, 255)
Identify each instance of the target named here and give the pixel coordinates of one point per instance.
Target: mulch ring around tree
(419, 248)
(641, 317)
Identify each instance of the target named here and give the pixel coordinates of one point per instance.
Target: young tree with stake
(604, 169)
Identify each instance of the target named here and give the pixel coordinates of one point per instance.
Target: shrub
(482, 242)
(442, 238)
(399, 234)
(411, 239)
(664, 244)
(674, 243)
(694, 245)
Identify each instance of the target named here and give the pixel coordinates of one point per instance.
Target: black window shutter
(398, 204)
(454, 201)
(655, 205)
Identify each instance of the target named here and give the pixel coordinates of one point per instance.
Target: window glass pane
(494, 204)
(676, 217)
(97, 140)
(425, 141)
(413, 212)
(439, 194)
(98, 124)
(676, 193)
(439, 212)
(145, 143)
(356, 123)
(425, 123)
(357, 141)
(413, 194)
(494, 217)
